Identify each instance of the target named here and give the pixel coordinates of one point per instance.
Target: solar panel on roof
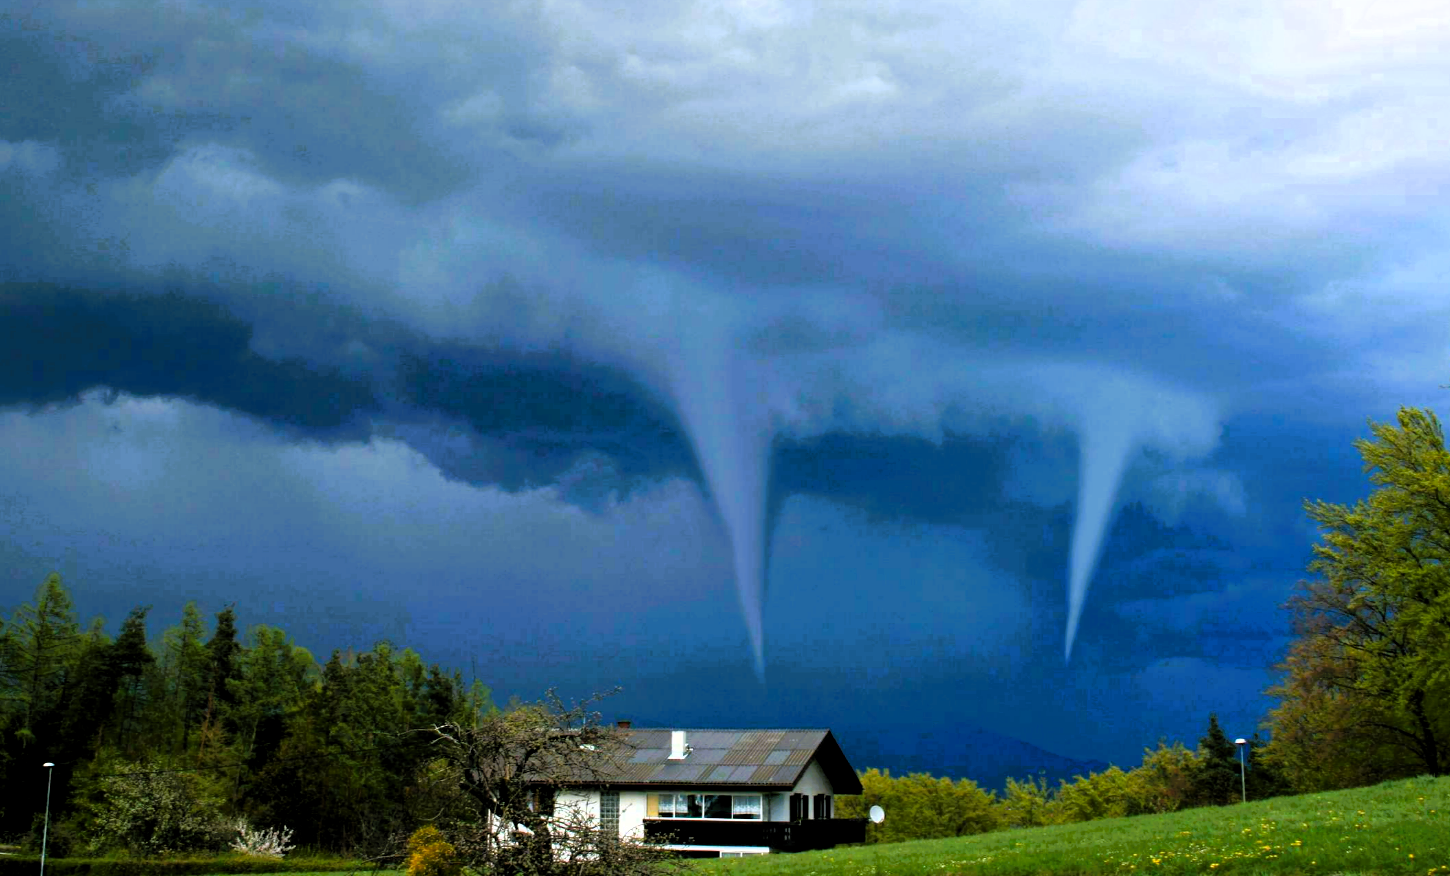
(713, 738)
(776, 758)
(801, 739)
(743, 773)
(649, 755)
(708, 755)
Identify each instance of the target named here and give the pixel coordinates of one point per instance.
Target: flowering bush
(430, 854)
(154, 812)
(270, 843)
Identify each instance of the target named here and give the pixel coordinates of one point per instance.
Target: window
(721, 806)
(540, 800)
(609, 813)
(746, 806)
(800, 807)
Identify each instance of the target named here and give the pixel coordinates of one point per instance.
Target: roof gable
(765, 759)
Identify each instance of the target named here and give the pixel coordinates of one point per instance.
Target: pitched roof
(761, 759)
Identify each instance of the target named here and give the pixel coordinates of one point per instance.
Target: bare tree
(514, 765)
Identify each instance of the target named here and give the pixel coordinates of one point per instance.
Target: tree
(130, 660)
(1026, 803)
(512, 764)
(38, 645)
(1107, 794)
(154, 810)
(187, 672)
(1264, 780)
(1217, 779)
(920, 807)
(1165, 780)
(1365, 694)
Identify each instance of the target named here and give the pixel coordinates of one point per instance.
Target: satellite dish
(878, 815)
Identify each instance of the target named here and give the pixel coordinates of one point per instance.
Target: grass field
(1397, 827)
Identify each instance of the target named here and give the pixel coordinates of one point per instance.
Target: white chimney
(678, 748)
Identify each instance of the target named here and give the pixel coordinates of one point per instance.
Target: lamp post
(1243, 777)
(45, 833)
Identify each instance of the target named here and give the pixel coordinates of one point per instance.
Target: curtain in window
(747, 806)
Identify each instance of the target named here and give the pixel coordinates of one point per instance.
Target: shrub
(157, 812)
(430, 854)
(270, 843)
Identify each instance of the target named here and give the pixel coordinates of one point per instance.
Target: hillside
(1397, 827)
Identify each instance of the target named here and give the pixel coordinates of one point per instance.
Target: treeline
(1170, 777)
(162, 744)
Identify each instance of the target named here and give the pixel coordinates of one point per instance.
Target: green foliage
(1217, 782)
(1026, 803)
(1365, 693)
(920, 807)
(1165, 780)
(37, 644)
(154, 812)
(429, 854)
(1108, 794)
(240, 713)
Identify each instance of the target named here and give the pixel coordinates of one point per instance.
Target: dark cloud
(912, 315)
(59, 342)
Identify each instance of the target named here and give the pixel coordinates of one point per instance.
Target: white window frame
(678, 802)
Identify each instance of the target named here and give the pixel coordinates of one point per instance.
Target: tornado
(1103, 449)
(731, 439)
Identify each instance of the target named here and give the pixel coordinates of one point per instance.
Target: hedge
(30, 865)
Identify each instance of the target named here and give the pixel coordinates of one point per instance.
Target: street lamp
(1243, 779)
(45, 833)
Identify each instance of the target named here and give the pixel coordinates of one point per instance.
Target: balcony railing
(785, 836)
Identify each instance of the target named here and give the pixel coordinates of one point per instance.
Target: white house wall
(813, 781)
(631, 814)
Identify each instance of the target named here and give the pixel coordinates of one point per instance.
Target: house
(724, 793)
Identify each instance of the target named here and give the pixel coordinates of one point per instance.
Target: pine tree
(41, 642)
(1218, 780)
(130, 660)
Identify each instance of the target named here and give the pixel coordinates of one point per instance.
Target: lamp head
(1241, 741)
(47, 764)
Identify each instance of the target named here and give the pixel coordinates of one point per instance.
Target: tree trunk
(1429, 747)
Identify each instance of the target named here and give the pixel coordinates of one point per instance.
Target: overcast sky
(786, 362)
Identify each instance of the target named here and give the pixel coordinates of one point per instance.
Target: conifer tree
(1217, 781)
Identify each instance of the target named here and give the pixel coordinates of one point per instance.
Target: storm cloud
(793, 275)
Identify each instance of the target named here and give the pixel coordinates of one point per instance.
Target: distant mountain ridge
(985, 757)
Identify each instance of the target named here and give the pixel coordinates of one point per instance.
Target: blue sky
(971, 363)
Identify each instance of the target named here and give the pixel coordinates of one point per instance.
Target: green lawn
(1397, 827)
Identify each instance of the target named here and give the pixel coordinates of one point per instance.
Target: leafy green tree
(920, 807)
(152, 810)
(1107, 794)
(1027, 803)
(1165, 780)
(1365, 693)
